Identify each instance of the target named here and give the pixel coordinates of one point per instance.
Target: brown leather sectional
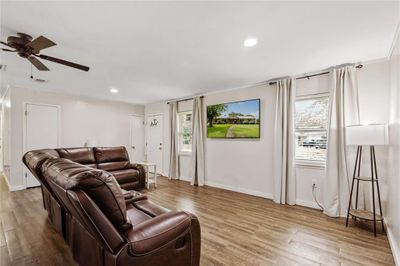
(111, 159)
(104, 224)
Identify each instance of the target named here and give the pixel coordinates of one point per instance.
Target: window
(185, 132)
(311, 129)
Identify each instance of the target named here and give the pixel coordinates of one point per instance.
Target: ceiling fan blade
(7, 50)
(41, 43)
(6, 44)
(63, 62)
(39, 65)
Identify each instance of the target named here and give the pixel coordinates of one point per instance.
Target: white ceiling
(153, 51)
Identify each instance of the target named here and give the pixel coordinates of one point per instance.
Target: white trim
(312, 96)
(393, 244)
(7, 182)
(309, 204)
(24, 121)
(374, 61)
(12, 188)
(130, 134)
(185, 178)
(310, 164)
(240, 190)
(16, 188)
(395, 37)
(2, 126)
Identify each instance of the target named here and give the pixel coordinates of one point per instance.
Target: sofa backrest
(111, 158)
(83, 155)
(99, 185)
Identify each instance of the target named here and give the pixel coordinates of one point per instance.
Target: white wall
(81, 119)
(392, 209)
(246, 165)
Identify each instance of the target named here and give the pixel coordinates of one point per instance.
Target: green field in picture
(234, 120)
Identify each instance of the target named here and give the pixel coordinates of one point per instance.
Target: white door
(41, 131)
(154, 145)
(137, 139)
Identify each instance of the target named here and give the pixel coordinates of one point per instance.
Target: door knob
(133, 147)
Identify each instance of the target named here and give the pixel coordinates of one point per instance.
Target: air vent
(3, 68)
(40, 80)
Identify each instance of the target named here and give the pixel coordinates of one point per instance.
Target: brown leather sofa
(111, 159)
(105, 225)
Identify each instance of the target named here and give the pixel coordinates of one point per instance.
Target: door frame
(2, 96)
(24, 130)
(162, 137)
(130, 133)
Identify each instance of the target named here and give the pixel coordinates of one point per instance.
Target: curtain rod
(186, 99)
(313, 75)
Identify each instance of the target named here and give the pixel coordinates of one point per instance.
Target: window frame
(311, 163)
(180, 133)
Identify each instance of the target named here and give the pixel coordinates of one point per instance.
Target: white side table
(153, 179)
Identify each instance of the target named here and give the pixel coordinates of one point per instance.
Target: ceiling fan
(30, 49)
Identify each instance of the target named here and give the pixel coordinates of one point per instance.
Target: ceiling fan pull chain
(31, 72)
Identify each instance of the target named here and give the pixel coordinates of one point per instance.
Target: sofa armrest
(142, 173)
(131, 196)
(157, 232)
(135, 166)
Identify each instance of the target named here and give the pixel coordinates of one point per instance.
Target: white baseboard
(6, 179)
(393, 244)
(16, 188)
(12, 188)
(241, 190)
(184, 178)
(309, 204)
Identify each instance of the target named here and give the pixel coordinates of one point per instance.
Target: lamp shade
(374, 134)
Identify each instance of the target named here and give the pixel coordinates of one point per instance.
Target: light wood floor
(237, 229)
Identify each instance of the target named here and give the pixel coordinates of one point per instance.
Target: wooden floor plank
(237, 229)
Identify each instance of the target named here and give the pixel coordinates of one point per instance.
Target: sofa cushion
(150, 208)
(99, 185)
(110, 154)
(125, 175)
(131, 186)
(79, 155)
(136, 216)
(113, 166)
(111, 158)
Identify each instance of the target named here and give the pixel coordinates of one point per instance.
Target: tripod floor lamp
(370, 136)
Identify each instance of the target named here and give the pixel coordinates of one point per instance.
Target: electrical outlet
(314, 182)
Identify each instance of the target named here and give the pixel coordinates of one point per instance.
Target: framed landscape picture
(234, 120)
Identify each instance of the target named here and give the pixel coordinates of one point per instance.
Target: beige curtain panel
(284, 146)
(343, 111)
(198, 129)
(174, 152)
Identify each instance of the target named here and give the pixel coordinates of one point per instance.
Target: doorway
(154, 143)
(137, 151)
(41, 130)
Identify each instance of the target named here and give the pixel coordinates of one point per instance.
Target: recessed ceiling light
(250, 42)
(113, 90)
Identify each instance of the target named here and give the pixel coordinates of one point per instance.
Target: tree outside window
(185, 132)
(311, 129)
